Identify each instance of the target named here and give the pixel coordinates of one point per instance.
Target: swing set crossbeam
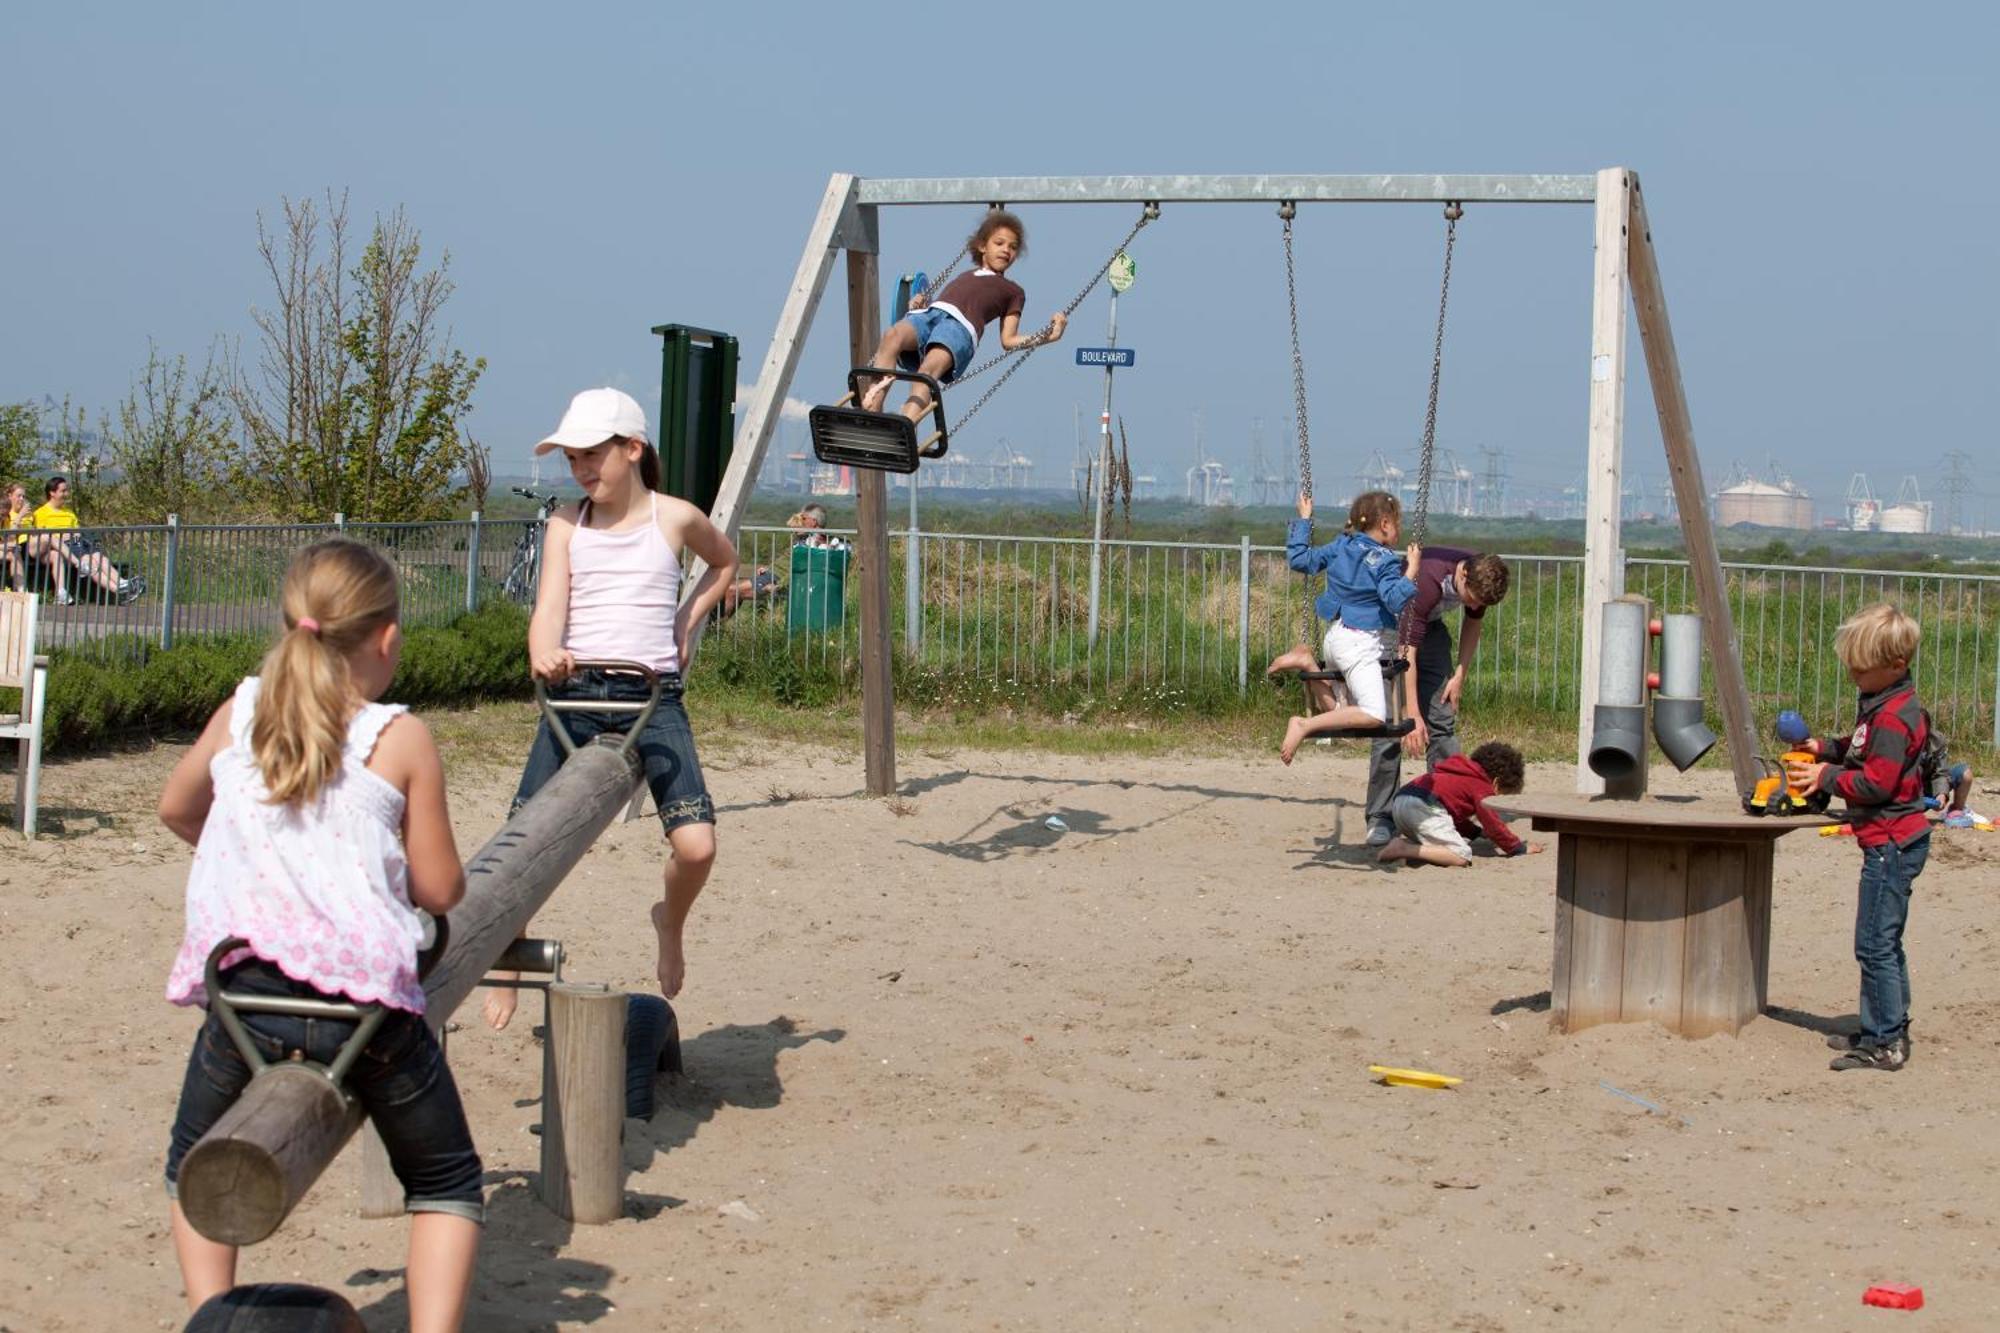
(1387, 189)
(848, 220)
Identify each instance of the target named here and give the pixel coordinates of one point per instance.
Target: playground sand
(951, 1068)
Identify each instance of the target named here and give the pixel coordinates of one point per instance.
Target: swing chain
(1288, 210)
(1022, 353)
(1427, 459)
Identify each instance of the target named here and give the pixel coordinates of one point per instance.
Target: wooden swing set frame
(848, 220)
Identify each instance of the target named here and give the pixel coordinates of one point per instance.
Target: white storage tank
(1764, 504)
(1914, 516)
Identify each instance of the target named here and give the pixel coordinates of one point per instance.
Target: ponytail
(649, 466)
(336, 594)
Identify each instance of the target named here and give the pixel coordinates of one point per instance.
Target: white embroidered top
(321, 890)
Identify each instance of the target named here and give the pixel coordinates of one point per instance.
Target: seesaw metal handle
(616, 666)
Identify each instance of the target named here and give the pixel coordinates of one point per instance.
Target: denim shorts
(936, 328)
(401, 1080)
(673, 773)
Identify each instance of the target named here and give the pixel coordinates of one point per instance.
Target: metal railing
(1014, 611)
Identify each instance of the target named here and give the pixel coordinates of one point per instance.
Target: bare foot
(872, 396)
(1297, 658)
(673, 964)
(1295, 735)
(1396, 849)
(498, 1011)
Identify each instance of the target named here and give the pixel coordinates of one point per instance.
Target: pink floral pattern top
(320, 889)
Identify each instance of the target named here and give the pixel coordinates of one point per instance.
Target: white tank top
(624, 590)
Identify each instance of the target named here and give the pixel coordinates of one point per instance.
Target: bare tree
(171, 443)
(1125, 475)
(357, 399)
(478, 471)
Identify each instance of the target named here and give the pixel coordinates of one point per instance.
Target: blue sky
(1819, 178)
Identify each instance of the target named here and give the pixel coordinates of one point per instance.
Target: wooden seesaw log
(251, 1169)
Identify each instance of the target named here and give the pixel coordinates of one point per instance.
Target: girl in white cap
(611, 588)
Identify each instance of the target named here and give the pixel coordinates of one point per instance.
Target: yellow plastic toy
(1413, 1078)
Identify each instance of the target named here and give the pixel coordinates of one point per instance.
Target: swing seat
(852, 436)
(1389, 730)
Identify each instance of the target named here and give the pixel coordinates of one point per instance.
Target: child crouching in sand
(1439, 814)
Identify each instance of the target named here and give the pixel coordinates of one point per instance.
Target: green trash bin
(817, 599)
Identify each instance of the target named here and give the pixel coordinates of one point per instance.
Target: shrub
(92, 701)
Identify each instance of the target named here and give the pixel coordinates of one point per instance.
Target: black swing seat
(852, 436)
(1391, 668)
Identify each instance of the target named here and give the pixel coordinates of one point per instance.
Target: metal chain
(1426, 460)
(1309, 619)
(1151, 211)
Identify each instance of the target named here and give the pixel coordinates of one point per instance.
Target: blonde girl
(319, 825)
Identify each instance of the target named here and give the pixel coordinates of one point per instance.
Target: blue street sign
(1105, 356)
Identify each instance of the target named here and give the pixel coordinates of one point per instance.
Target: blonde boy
(1875, 770)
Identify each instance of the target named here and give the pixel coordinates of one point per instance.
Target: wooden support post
(1663, 366)
(249, 1171)
(781, 361)
(871, 549)
(833, 226)
(1603, 547)
(381, 1192)
(583, 1103)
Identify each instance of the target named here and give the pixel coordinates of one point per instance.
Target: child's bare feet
(1295, 735)
(498, 1011)
(1396, 849)
(1297, 658)
(673, 964)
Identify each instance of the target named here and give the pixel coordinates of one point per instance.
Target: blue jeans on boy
(666, 747)
(1887, 872)
(401, 1080)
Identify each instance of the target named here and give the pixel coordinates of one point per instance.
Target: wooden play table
(1663, 910)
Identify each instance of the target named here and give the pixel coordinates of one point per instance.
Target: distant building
(1765, 504)
(1909, 516)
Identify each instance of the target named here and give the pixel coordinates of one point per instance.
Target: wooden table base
(1663, 912)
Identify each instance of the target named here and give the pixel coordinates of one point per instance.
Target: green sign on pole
(1123, 270)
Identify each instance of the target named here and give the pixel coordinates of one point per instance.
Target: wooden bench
(23, 669)
(1663, 910)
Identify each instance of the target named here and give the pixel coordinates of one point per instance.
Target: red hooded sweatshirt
(1462, 788)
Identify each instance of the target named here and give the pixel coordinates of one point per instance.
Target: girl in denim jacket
(1366, 590)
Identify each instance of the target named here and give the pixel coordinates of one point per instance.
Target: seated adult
(65, 549)
(14, 545)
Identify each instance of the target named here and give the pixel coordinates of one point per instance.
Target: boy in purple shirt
(1447, 578)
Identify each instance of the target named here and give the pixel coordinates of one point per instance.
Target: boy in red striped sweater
(1875, 769)
(1437, 815)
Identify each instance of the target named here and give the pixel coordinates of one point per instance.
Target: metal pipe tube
(1680, 657)
(1621, 670)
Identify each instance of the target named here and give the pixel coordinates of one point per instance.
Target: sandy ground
(965, 1071)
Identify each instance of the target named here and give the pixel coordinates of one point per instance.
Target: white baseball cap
(594, 416)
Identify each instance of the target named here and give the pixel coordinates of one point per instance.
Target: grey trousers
(1385, 760)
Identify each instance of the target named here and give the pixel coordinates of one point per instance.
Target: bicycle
(522, 576)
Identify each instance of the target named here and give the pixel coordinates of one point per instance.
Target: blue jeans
(937, 329)
(1887, 873)
(401, 1080)
(666, 749)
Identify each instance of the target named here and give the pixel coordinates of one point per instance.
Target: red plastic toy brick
(1894, 1296)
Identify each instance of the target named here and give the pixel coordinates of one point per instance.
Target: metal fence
(1015, 611)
